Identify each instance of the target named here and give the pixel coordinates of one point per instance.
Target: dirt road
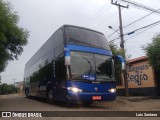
(21, 103)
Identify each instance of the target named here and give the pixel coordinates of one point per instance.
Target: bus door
(60, 79)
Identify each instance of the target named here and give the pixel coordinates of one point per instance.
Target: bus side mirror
(120, 58)
(67, 56)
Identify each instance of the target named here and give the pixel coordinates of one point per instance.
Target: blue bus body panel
(89, 91)
(89, 87)
(89, 49)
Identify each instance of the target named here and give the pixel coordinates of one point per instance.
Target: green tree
(7, 89)
(118, 69)
(115, 50)
(3, 88)
(12, 37)
(153, 52)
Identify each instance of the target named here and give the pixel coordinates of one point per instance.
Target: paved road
(21, 103)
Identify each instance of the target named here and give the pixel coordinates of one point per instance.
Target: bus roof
(81, 28)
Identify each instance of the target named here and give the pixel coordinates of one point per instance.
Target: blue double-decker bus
(74, 65)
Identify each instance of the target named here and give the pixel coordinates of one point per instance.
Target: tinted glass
(88, 66)
(103, 67)
(80, 36)
(81, 64)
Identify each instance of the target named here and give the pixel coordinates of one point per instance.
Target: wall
(140, 77)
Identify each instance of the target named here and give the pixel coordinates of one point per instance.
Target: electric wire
(92, 17)
(114, 39)
(98, 16)
(133, 22)
(108, 18)
(138, 5)
(140, 18)
(133, 50)
(154, 24)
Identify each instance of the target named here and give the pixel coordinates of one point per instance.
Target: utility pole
(122, 44)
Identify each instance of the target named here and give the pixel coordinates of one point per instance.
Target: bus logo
(96, 89)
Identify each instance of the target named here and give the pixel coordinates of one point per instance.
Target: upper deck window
(86, 37)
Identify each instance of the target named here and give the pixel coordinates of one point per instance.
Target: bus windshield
(92, 67)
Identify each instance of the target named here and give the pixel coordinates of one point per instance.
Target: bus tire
(27, 94)
(87, 103)
(50, 97)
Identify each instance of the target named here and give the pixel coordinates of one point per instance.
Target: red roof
(138, 59)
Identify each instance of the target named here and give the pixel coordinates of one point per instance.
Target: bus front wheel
(87, 103)
(50, 97)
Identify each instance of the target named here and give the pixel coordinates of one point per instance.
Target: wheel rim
(50, 96)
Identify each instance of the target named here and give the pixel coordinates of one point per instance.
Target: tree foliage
(153, 52)
(115, 50)
(7, 89)
(118, 69)
(12, 37)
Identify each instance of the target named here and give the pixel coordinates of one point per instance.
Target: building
(141, 78)
(19, 85)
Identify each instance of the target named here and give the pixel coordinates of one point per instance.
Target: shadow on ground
(95, 105)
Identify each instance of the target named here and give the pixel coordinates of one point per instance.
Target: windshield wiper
(89, 65)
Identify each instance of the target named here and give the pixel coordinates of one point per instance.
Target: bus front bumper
(89, 97)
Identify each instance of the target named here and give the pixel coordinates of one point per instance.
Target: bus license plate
(96, 98)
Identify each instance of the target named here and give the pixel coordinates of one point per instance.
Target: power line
(133, 22)
(152, 25)
(114, 39)
(90, 18)
(140, 18)
(138, 5)
(115, 30)
(108, 18)
(136, 42)
(99, 15)
(142, 28)
(133, 50)
(143, 31)
(113, 33)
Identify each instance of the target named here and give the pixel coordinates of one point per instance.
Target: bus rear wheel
(50, 97)
(27, 94)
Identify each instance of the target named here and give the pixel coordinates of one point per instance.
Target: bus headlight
(74, 89)
(112, 90)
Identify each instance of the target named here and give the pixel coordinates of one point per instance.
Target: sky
(42, 17)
